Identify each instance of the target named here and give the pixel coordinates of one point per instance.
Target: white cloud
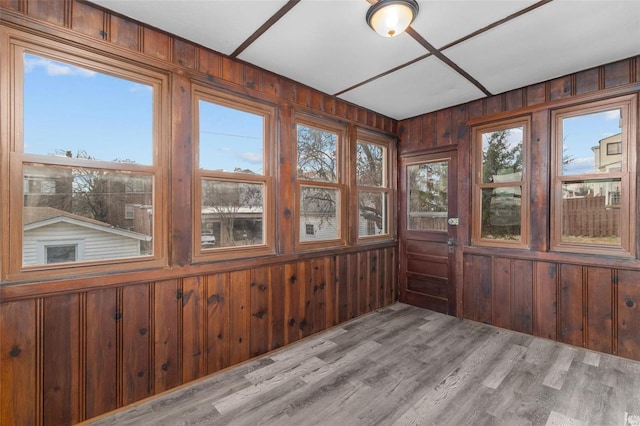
(614, 114)
(137, 88)
(55, 69)
(251, 157)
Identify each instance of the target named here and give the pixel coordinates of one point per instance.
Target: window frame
(341, 184)
(268, 112)
(628, 106)
(388, 189)
(17, 45)
(478, 185)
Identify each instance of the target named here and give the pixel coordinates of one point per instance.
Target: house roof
(37, 217)
(456, 51)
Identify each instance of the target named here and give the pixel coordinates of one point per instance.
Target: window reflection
(428, 201)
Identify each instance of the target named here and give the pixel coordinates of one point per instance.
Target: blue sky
(584, 132)
(70, 108)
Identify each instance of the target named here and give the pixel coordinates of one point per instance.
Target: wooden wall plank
(239, 316)
(276, 306)
(570, 305)
(136, 343)
(11, 4)
(156, 44)
(617, 73)
(536, 94)
(88, 20)
(599, 331)
(587, 81)
(101, 365)
(49, 11)
(501, 292)
(166, 324)
(19, 402)
(61, 360)
(373, 280)
(539, 187)
(522, 297)
(560, 88)
(342, 284)
(210, 63)
(477, 288)
(330, 292)
(628, 309)
(124, 32)
(292, 312)
(493, 105)
(184, 53)
(318, 287)
(444, 127)
(545, 300)
(194, 333)
(363, 283)
(260, 314)
(218, 327)
(514, 99)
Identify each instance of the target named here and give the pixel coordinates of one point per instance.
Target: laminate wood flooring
(404, 365)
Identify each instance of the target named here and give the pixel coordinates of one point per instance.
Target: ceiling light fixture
(391, 17)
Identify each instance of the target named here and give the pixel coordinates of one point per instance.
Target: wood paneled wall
(589, 301)
(74, 349)
(73, 356)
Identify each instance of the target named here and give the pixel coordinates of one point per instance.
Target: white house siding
(324, 230)
(97, 245)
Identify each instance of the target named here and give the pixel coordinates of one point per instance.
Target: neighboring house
(55, 236)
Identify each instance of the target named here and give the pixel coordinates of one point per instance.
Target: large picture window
(233, 177)
(500, 195)
(593, 174)
(321, 187)
(84, 131)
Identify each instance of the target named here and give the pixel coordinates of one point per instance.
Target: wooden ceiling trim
(438, 54)
(263, 29)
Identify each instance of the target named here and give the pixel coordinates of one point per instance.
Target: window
(428, 199)
(373, 182)
(310, 230)
(83, 130)
(233, 176)
(321, 188)
(500, 217)
(129, 211)
(593, 177)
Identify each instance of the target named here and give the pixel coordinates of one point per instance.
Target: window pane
(373, 213)
(501, 213)
(75, 112)
(502, 155)
(319, 207)
(592, 143)
(87, 205)
(428, 200)
(230, 140)
(232, 214)
(61, 253)
(317, 154)
(370, 164)
(591, 212)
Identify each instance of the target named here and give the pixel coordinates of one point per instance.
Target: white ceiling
(460, 50)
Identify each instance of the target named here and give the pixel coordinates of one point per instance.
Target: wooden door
(428, 221)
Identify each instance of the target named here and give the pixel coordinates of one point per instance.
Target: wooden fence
(590, 217)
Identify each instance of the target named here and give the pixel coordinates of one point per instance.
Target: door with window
(428, 220)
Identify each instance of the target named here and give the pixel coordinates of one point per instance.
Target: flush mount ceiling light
(391, 17)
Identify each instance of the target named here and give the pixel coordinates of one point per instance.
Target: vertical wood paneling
(101, 353)
(136, 340)
(560, 88)
(156, 44)
(10, 4)
(429, 138)
(239, 316)
(218, 328)
(570, 305)
(617, 73)
(628, 303)
(539, 187)
(546, 303)
(49, 11)
(477, 288)
(19, 403)
(501, 292)
(292, 312)
(330, 292)
(276, 306)
(184, 54)
(318, 288)
(124, 33)
(88, 20)
(342, 284)
(443, 127)
(587, 81)
(493, 105)
(522, 297)
(514, 100)
(166, 369)
(61, 360)
(599, 333)
(210, 63)
(260, 314)
(373, 280)
(536, 94)
(194, 331)
(363, 283)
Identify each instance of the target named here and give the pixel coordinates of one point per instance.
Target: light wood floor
(408, 366)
